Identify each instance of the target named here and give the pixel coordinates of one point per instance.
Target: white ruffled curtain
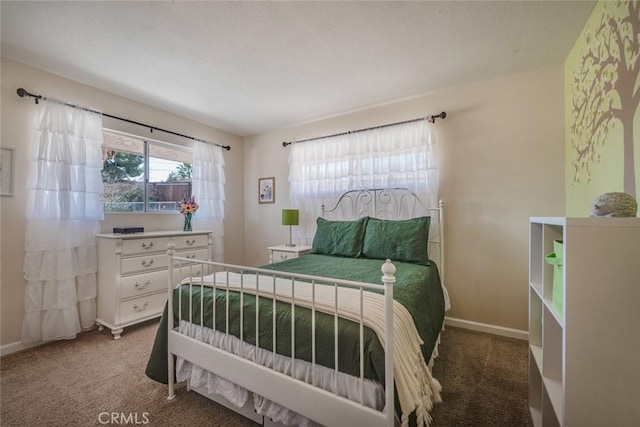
(394, 156)
(207, 178)
(63, 218)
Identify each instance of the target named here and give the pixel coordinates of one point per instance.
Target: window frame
(146, 175)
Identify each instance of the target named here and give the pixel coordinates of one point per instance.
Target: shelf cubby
(582, 358)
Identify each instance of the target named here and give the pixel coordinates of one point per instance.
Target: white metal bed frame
(394, 204)
(301, 397)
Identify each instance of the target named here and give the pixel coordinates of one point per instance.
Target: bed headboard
(383, 203)
(392, 204)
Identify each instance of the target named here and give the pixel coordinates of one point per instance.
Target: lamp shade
(289, 216)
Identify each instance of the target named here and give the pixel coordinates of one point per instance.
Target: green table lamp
(290, 217)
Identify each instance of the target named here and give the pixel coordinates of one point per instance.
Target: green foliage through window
(122, 167)
(129, 187)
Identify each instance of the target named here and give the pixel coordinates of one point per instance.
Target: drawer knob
(283, 256)
(142, 307)
(146, 263)
(143, 285)
(146, 246)
(191, 242)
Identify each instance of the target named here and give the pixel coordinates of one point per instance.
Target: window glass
(143, 176)
(169, 176)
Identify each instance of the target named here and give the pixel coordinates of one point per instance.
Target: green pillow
(404, 240)
(342, 238)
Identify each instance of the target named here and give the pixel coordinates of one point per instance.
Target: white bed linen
(417, 390)
(348, 385)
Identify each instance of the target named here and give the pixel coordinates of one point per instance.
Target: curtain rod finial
(432, 119)
(23, 93)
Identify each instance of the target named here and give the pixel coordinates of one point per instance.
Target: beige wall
(502, 160)
(17, 116)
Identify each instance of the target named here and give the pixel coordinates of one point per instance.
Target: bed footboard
(253, 288)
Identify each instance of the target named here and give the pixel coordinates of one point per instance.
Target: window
(392, 156)
(143, 176)
(401, 155)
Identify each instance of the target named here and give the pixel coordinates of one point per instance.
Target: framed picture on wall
(6, 172)
(267, 190)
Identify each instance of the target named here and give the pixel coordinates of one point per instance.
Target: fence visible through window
(144, 176)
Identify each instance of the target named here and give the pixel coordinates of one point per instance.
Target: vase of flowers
(187, 208)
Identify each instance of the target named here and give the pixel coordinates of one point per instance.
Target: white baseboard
(16, 346)
(451, 321)
(484, 327)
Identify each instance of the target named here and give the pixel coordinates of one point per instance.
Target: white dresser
(133, 274)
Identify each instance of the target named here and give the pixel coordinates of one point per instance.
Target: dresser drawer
(198, 255)
(283, 256)
(192, 270)
(186, 242)
(148, 245)
(140, 264)
(146, 306)
(183, 269)
(142, 284)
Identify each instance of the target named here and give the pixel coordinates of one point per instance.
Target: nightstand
(284, 252)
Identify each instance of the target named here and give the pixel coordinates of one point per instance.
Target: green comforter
(417, 287)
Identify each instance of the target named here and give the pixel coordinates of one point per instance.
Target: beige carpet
(82, 382)
(484, 379)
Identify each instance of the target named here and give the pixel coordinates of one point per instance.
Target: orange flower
(188, 206)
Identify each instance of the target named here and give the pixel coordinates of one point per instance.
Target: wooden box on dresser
(584, 364)
(133, 274)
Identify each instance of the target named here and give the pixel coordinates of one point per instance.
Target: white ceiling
(251, 67)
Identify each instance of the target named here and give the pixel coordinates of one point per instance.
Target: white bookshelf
(584, 363)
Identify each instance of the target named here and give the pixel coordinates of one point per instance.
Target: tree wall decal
(605, 90)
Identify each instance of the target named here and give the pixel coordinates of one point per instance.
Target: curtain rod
(22, 93)
(430, 119)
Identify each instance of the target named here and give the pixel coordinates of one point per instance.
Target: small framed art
(267, 190)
